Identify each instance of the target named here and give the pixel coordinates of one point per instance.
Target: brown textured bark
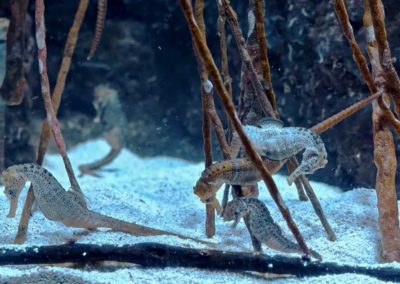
(384, 151)
(386, 163)
(213, 72)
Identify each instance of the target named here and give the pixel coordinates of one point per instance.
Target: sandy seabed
(158, 192)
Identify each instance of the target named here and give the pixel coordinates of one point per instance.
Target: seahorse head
(13, 185)
(235, 210)
(103, 95)
(205, 190)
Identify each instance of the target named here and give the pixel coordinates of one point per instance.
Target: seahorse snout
(13, 208)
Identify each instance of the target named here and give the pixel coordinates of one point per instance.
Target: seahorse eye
(11, 193)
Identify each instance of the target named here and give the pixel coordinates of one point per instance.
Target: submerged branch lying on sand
(161, 255)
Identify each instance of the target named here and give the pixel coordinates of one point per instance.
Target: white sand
(157, 192)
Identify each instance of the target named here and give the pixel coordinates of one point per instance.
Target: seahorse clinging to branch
(261, 224)
(66, 207)
(278, 143)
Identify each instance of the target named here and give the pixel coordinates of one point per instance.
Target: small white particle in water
(84, 254)
(36, 250)
(252, 22)
(270, 265)
(207, 86)
(40, 66)
(370, 34)
(159, 47)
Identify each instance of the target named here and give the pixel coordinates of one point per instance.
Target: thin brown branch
(223, 47)
(314, 201)
(246, 59)
(221, 21)
(291, 166)
(263, 45)
(318, 209)
(384, 148)
(297, 182)
(100, 22)
(206, 129)
(44, 81)
(219, 130)
(213, 72)
(359, 58)
(340, 116)
(206, 98)
(56, 99)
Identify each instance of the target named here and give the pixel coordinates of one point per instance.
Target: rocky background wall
(146, 54)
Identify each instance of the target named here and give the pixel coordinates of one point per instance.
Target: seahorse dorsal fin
(269, 121)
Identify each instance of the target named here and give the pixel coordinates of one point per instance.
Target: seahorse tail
(100, 21)
(100, 220)
(315, 254)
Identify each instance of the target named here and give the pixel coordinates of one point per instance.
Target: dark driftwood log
(160, 255)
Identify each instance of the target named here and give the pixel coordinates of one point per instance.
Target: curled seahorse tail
(295, 248)
(315, 254)
(100, 21)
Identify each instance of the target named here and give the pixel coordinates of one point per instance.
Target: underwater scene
(193, 141)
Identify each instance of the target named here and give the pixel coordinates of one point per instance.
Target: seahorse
(276, 142)
(110, 114)
(261, 224)
(66, 207)
(234, 172)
